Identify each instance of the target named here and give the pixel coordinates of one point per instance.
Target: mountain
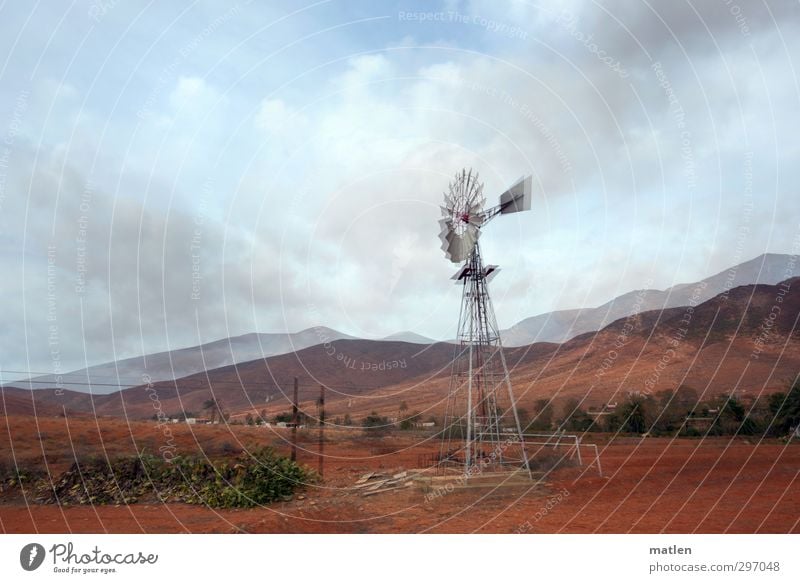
(556, 327)
(746, 341)
(411, 337)
(25, 402)
(352, 369)
(560, 326)
(111, 376)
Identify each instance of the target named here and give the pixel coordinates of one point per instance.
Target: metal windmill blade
(457, 247)
(462, 216)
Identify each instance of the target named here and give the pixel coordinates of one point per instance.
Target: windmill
(481, 423)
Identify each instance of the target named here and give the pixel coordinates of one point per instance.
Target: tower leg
(481, 377)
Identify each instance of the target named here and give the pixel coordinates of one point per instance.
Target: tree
(374, 420)
(182, 415)
(636, 413)
(403, 422)
(574, 418)
(348, 421)
(374, 424)
(674, 407)
(408, 422)
(785, 410)
(543, 415)
(284, 417)
(211, 406)
(249, 419)
(612, 422)
(732, 417)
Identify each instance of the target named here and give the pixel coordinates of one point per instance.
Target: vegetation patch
(683, 413)
(251, 479)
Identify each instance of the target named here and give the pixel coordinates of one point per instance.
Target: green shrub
(250, 479)
(375, 425)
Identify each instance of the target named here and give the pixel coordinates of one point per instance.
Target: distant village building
(606, 409)
(289, 424)
(703, 423)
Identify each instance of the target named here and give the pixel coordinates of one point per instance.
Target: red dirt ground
(649, 485)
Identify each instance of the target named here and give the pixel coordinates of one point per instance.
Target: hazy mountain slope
(727, 344)
(562, 325)
(182, 362)
(24, 402)
(350, 368)
(557, 326)
(411, 337)
(735, 342)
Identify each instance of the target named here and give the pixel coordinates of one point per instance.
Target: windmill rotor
(462, 216)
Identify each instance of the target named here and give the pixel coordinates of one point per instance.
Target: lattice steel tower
(481, 424)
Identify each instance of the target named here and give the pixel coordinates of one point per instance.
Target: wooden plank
(365, 477)
(381, 491)
(366, 485)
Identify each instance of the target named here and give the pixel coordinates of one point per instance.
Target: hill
(744, 341)
(558, 326)
(562, 325)
(110, 376)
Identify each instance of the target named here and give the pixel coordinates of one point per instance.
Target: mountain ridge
(736, 341)
(562, 325)
(557, 327)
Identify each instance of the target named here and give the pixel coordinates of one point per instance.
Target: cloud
(187, 90)
(303, 189)
(272, 115)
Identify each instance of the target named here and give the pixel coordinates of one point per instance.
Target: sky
(174, 173)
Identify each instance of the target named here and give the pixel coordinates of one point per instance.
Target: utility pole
(321, 429)
(294, 422)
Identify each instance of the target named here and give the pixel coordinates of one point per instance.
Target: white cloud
(326, 181)
(281, 122)
(187, 90)
(272, 115)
